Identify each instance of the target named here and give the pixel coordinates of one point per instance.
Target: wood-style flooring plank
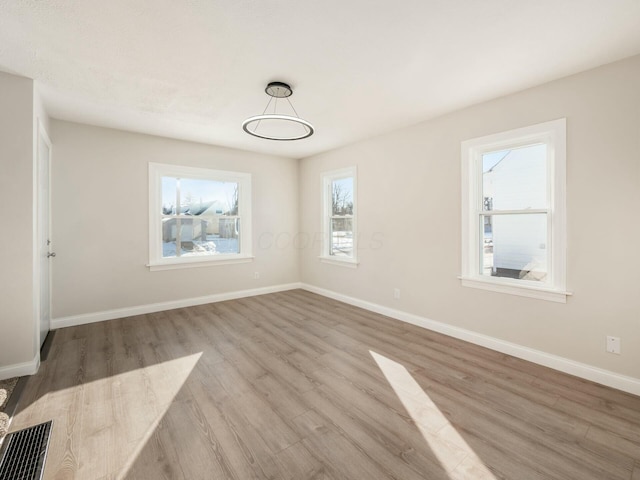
(297, 463)
(399, 456)
(293, 385)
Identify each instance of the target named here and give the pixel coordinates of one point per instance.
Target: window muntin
(339, 223)
(514, 211)
(198, 215)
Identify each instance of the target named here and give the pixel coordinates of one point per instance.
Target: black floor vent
(24, 453)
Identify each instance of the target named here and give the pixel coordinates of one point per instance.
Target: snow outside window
(198, 216)
(339, 217)
(513, 211)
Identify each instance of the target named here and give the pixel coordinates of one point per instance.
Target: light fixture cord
(263, 112)
(292, 107)
(268, 103)
(294, 111)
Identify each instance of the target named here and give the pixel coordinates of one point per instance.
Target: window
(198, 217)
(513, 218)
(339, 219)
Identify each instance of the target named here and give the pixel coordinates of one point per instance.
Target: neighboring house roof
(199, 209)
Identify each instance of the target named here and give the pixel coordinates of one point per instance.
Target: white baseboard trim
(21, 369)
(582, 370)
(84, 318)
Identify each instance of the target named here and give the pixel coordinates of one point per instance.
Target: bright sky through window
(198, 191)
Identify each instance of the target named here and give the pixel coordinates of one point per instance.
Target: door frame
(41, 132)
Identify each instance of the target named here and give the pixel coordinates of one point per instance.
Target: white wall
(17, 321)
(409, 220)
(101, 228)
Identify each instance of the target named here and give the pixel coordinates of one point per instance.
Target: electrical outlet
(396, 293)
(256, 275)
(613, 345)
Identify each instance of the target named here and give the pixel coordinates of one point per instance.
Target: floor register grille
(24, 452)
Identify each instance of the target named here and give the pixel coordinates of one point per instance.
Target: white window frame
(553, 134)
(159, 170)
(327, 181)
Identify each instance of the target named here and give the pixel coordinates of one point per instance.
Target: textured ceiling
(195, 69)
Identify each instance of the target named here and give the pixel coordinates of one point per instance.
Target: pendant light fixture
(278, 126)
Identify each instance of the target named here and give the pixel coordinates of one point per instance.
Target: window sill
(194, 262)
(343, 262)
(541, 293)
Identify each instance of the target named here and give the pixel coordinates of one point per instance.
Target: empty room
(297, 240)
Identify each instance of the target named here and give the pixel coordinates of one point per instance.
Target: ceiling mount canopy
(278, 126)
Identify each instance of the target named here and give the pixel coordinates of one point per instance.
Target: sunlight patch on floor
(181, 368)
(454, 454)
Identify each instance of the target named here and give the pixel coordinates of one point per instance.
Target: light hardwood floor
(296, 386)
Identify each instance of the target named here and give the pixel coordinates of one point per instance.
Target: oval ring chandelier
(279, 90)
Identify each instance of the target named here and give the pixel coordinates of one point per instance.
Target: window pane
(342, 196)
(342, 237)
(514, 246)
(196, 237)
(211, 226)
(169, 235)
(208, 197)
(515, 179)
(169, 185)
